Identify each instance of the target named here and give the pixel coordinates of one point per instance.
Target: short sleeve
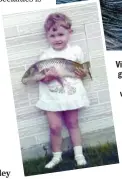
(42, 55)
(78, 54)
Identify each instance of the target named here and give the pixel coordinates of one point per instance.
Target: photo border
(10, 153)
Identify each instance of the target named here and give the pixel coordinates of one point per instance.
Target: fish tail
(90, 74)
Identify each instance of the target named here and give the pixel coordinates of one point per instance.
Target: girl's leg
(71, 121)
(55, 125)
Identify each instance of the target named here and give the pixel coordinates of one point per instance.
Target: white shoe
(80, 159)
(53, 162)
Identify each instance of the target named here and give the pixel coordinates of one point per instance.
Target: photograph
(60, 88)
(112, 21)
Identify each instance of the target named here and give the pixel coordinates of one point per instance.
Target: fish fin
(90, 74)
(60, 81)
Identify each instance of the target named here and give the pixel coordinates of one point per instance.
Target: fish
(64, 67)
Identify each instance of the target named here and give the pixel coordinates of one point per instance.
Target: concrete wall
(25, 40)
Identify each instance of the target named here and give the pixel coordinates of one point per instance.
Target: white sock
(57, 158)
(79, 157)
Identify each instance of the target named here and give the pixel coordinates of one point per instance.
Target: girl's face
(58, 37)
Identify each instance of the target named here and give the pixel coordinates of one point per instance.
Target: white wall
(25, 39)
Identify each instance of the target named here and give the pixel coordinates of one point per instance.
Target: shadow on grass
(96, 156)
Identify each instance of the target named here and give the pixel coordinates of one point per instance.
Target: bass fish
(64, 67)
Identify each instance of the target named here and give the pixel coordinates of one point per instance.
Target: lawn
(96, 156)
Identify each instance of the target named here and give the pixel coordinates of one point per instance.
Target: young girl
(62, 103)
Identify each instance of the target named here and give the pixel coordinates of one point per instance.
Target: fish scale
(64, 67)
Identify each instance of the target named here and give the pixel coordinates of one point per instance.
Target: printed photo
(60, 88)
(112, 21)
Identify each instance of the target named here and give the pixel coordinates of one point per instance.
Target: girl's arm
(49, 76)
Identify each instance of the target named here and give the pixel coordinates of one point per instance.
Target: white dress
(54, 97)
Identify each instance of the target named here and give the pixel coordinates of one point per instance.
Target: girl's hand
(50, 75)
(52, 72)
(81, 73)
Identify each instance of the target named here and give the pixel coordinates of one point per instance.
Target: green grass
(96, 156)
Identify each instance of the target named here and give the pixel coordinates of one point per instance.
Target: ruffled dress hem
(61, 105)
